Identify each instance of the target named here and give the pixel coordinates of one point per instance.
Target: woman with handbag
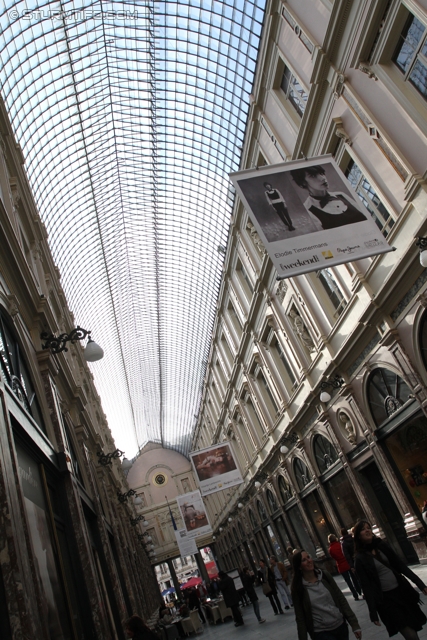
(389, 596)
(268, 582)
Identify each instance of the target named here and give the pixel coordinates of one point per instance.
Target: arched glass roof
(130, 116)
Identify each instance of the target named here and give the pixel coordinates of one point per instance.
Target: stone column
(174, 577)
(201, 566)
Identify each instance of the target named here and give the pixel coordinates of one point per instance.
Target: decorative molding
(364, 67)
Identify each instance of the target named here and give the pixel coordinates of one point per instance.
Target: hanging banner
(216, 468)
(307, 215)
(194, 514)
(187, 546)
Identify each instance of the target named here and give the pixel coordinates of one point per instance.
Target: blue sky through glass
(130, 116)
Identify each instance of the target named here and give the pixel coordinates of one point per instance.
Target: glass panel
(304, 538)
(132, 116)
(387, 392)
(409, 39)
(283, 533)
(418, 77)
(285, 490)
(302, 474)
(275, 543)
(408, 449)
(324, 452)
(318, 517)
(344, 499)
(369, 197)
(53, 601)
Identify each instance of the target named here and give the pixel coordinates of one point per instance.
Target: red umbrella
(191, 583)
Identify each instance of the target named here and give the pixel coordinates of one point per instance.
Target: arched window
(272, 502)
(302, 474)
(422, 336)
(261, 510)
(285, 490)
(16, 372)
(324, 452)
(387, 392)
(252, 518)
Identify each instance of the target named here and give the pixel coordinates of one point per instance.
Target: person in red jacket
(335, 551)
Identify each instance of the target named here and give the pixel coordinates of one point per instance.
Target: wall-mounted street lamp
(288, 441)
(135, 521)
(335, 383)
(240, 505)
(230, 519)
(124, 496)
(422, 245)
(257, 485)
(56, 344)
(105, 459)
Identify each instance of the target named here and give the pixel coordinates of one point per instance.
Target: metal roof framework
(130, 116)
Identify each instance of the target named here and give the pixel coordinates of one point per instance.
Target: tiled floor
(284, 627)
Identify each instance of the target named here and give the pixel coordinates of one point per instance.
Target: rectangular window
(369, 197)
(332, 290)
(285, 363)
(294, 91)
(411, 54)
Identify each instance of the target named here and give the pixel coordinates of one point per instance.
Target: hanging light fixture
(422, 245)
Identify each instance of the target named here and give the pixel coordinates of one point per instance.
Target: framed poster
(307, 215)
(216, 468)
(194, 514)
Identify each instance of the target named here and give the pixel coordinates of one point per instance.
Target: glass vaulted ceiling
(130, 116)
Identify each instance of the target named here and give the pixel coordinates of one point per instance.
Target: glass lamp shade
(145, 523)
(423, 258)
(149, 539)
(230, 519)
(284, 449)
(325, 396)
(93, 351)
(137, 500)
(221, 529)
(213, 537)
(126, 464)
(257, 484)
(240, 505)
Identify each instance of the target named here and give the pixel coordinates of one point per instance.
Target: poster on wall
(307, 215)
(216, 468)
(193, 511)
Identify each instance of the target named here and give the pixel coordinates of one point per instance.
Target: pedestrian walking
(231, 597)
(321, 609)
(248, 583)
(347, 545)
(282, 581)
(389, 596)
(268, 582)
(335, 551)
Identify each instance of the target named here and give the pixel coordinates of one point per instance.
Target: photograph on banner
(187, 545)
(194, 514)
(308, 216)
(216, 468)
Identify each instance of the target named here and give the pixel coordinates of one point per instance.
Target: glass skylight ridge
(130, 128)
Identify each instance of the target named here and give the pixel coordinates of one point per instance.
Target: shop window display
(344, 500)
(408, 450)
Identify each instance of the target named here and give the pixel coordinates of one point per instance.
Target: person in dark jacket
(335, 551)
(248, 583)
(268, 582)
(231, 597)
(321, 609)
(347, 545)
(389, 596)
(136, 628)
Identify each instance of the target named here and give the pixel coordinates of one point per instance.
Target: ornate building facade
(347, 79)
(71, 561)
